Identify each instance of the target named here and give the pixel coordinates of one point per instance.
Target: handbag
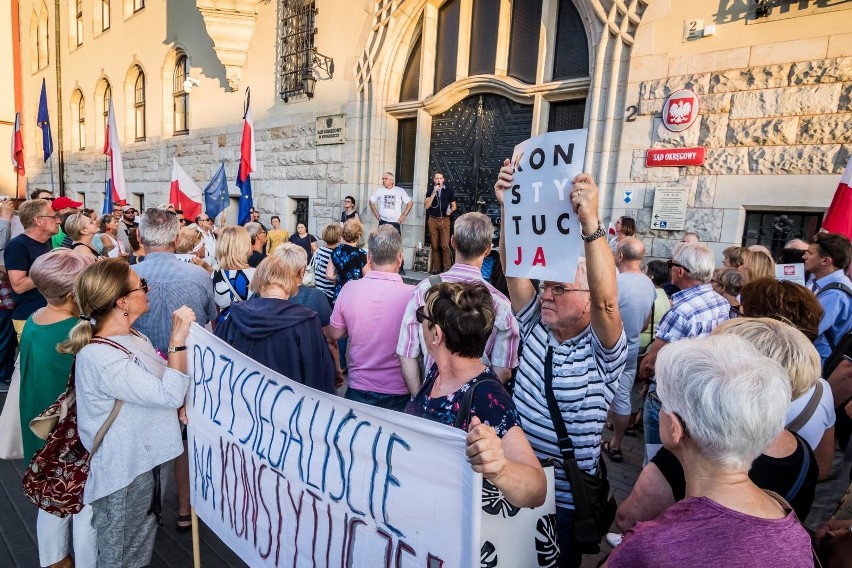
(11, 442)
(594, 507)
(309, 279)
(56, 476)
(509, 535)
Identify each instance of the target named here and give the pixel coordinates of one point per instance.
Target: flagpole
(52, 190)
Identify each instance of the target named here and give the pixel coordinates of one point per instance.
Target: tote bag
(11, 442)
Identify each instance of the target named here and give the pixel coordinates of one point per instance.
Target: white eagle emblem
(679, 112)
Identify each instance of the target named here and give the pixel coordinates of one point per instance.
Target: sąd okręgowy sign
(288, 476)
(542, 233)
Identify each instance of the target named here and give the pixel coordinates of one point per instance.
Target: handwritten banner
(542, 233)
(288, 476)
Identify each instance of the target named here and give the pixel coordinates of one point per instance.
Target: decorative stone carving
(230, 24)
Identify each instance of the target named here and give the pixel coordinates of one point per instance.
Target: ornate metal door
(468, 145)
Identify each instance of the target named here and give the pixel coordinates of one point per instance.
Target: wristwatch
(177, 348)
(596, 235)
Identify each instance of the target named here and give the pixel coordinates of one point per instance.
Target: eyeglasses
(55, 216)
(558, 289)
(420, 314)
(652, 396)
(143, 285)
(671, 263)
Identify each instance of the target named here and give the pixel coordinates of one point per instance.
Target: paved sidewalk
(18, 515)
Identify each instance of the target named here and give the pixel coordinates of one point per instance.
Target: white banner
(289, 476)
(542, 233)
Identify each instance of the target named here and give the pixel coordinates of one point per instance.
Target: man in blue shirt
(827, 258)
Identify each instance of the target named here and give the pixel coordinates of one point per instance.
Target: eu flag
(216, 194)
(44, 122)
(107, 197)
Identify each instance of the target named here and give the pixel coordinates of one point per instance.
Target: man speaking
(440, 203)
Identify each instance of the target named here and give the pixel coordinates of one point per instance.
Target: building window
(138, 5)
(406, 143)
(139, 105)
(773, 229)
(572, 47)
(447, 46)
(105, 15)
(295, 45)
(104, 114)
(34, 43)
(483, 37)
(78, 19)
(410, 90)
(43, 38)
(180, 95)
(523, 40)
(78, 108)
(566, 115)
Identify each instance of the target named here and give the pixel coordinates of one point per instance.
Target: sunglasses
(671, 263)
(143, 285)
(420, 314)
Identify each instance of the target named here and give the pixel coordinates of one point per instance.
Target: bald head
(631, 249)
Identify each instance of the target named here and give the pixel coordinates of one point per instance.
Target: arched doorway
(469, 142)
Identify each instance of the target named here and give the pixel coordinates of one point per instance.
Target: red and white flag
(116, 168)
(611, 229)
(18, 146)
(838, 218)
(185, 194)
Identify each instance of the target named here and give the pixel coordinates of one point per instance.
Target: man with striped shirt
(580, 322)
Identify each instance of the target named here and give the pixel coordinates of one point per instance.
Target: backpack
(828, 336)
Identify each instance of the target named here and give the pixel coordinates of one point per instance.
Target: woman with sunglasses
(118, 369)
(457, 320)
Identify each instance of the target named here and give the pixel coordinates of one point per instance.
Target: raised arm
(521, 290)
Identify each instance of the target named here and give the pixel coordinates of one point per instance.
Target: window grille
(296, 45)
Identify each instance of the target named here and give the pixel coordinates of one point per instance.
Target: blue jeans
(341, 347)
(651, 422)
(569, 557)
(382, 400)
(8, 343)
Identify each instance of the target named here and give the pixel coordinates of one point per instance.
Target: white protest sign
(792, 272)
(542, 233)
(288, 476)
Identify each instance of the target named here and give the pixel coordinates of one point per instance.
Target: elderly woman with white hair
(722, 403)
(276, 332)
(44, 376)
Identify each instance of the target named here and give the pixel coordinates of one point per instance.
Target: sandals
(179, 528)
(614, 455)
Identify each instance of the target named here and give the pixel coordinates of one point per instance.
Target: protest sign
(542, 233)
(792, 272)
(288, 476)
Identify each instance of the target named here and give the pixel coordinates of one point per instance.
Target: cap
(127, 208)
(64, 202)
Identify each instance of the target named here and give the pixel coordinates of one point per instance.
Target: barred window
(139, 105)
(180, 96)
(78, 17)
(296, 44)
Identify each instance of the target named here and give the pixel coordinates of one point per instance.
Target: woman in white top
(231, 280)
(112, 246)
(128, 374)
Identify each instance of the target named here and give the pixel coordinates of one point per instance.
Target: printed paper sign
(792, 272)
(542, 232)
(288, 476)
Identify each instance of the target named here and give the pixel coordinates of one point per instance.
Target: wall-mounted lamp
(763, 8)
(190, 84)
(319, 64)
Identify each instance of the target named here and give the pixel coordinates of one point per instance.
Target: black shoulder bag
(594, 507)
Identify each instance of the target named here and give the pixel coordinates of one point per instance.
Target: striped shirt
(323, 255)
(585, 376)
(501, 349)
(694, 313)
(172, 284)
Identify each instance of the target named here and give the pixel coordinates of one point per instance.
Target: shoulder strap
(835, 286)
(463, 414)
(111, 343)
(806, 464)
(807, 411)
(566, 446)
(99, 437)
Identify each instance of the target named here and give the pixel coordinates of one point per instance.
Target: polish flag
(838, 218)
(248, 164)
(611, 229)
(185, 194)
(116, 168)
(18, 146)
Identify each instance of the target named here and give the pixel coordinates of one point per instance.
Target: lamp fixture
(763, 8)
(319, 64)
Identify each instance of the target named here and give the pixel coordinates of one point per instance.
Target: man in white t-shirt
(387, 205)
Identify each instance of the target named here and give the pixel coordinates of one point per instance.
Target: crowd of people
(737, 380)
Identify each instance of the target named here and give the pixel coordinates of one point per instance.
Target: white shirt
(390, 203)
(822, 418)
(209, 238)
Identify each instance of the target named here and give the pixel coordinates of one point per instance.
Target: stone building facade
(453, 85)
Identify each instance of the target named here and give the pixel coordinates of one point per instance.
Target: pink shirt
(370, 310)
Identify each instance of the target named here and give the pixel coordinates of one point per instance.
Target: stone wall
(772, 122)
